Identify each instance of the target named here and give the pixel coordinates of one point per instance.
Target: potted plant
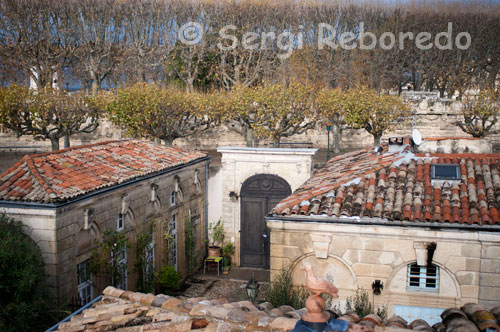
(215, 236)
(227, 252)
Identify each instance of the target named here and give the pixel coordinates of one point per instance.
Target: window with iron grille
(120, 270)
(173, 244)
(120, 222)
(172, 198)
(84, 283)
(423, 278)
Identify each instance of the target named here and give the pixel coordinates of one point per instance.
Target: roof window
(445, 172)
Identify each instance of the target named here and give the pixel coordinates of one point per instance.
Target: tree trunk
(168, 141)
(67, 143)
(94, 86)
(276, 143)
(376, 140)
(249, 137)
(54, 142)
(335, 138)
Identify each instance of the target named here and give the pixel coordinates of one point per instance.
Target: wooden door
(259, 194)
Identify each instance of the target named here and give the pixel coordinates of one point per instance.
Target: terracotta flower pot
(214, 251)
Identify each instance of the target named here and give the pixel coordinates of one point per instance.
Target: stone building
(70, 199)
(424, 224)
(250, 183)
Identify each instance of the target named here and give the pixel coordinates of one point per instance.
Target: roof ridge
(39, 178)
(42, 154)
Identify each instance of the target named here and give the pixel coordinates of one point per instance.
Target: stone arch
(259, 194)
(153, 208)
(448, 283)
(86, 239)
(333, 266)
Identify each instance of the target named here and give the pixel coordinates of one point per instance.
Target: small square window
(120, 222)
(423, 278)
(445, 172)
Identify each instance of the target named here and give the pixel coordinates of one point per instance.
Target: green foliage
(148, 110)
(228, 249)
(49, 114)
(190, 245)
(23, 284)
(168, 278)
(216, 232)
(273, 111)
(106, 258)
(282, 291)
(361, 305)
(374, 112)
(227, 252)
(480, 113)
(143, 267)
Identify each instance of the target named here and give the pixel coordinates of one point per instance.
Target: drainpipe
(206, 207)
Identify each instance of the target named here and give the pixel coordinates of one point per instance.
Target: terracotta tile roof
(124, 311)
(65, 174)
(398, 187)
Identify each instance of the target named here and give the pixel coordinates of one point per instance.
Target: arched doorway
(259, 194)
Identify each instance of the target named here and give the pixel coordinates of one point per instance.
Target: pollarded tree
(147, 110)
(479, 113)
(329, 104)
(49, 114)
(374, 112)
(274, 111)
(23, 282)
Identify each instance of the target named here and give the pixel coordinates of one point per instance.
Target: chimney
(396, 144)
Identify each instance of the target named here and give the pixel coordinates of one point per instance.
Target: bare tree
(99, 26)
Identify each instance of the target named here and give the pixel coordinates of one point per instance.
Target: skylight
(445, 172)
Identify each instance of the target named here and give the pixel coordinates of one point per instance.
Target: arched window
(423, 278)
(172, 198)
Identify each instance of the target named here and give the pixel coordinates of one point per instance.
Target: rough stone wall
(357, 255)
(435, 118)
(65, 243)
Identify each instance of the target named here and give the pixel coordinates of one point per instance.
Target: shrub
(169, 278)
(282, 291)
(23, 284)
(361, 305)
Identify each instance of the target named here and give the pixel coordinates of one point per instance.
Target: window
(150, 258)
(445, 172)
(84, 283)
(120, 222)
(120, 277)
(172, 229)
(172, 198)
(423, 277)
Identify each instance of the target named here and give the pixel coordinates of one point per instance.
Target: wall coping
(271, 151)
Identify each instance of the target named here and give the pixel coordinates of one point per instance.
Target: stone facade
(239, 164)
(355, 254)
(68, 233)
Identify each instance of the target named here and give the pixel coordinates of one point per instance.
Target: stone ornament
(316, 318)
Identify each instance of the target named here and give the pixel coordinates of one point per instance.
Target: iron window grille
(423, 278)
